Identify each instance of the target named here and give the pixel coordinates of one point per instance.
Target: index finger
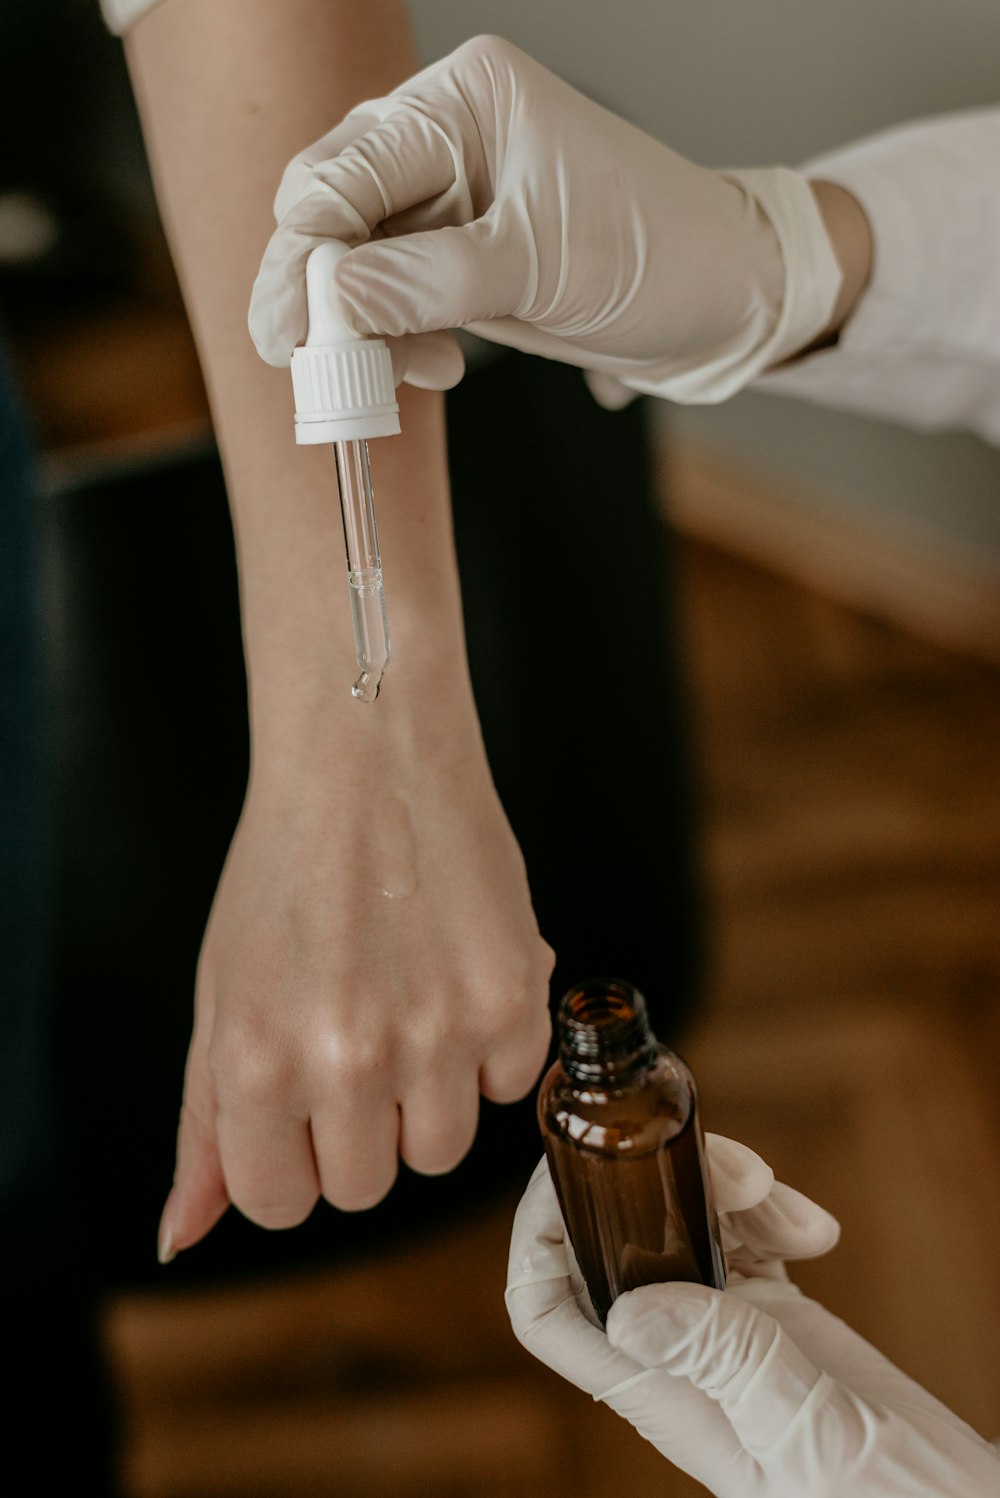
(399, 163)
(404, 160)
(297, 176)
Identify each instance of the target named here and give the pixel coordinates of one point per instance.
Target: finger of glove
(298, 181)
(540, 1301)
(267, 1158)
(764, 1221)
(740, 1178)
(444, 278)
(428, 361)
(310, 208)
(405, 160)
(514, 332)
(278, 320)
(784, 1225)
(688, 1428)
(742, 1358)
(609, 392)
(382, 173)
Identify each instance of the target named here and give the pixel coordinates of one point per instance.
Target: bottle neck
(604, 1036)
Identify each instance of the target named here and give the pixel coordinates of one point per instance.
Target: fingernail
(165, 1250)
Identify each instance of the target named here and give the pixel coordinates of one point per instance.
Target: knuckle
(352, 1058)
(521, 1015)
(487, 48)
(252, 1073)
(295, 184)
(495, 1022)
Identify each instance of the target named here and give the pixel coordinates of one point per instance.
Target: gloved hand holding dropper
(504, 200)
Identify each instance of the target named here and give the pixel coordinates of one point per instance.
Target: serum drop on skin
(619, 1117)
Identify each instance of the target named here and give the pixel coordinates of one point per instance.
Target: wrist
(851, 240)
(314, 728)
(297, 624)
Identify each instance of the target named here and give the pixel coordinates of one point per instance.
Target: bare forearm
(228, 92)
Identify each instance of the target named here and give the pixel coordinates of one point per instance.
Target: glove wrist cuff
(811, 285)
(813, 276)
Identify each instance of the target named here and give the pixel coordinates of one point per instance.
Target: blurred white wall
(740, 82)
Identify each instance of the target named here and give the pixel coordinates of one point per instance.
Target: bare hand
(372, 964)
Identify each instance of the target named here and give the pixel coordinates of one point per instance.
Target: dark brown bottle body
(619, 1117)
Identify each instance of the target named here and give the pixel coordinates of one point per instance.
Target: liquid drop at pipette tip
(366, 688)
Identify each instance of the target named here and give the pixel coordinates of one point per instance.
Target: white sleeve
(120, 15)
(923, 343)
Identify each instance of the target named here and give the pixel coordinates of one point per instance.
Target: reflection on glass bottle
(619, 1116)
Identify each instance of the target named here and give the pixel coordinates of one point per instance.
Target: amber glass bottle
(619, 1116)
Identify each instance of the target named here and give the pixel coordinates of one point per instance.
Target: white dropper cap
(344, 390)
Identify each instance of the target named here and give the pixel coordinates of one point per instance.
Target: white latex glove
(757, 1391)
(503, 200)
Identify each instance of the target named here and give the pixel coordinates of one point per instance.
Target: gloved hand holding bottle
(756, 1391)
(500, 198)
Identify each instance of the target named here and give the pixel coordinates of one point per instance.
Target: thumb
(609, 392)
(742, 1359)
(199, 1196)
(440, 278)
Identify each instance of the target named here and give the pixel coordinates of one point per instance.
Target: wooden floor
(852, 786)
(852, 798)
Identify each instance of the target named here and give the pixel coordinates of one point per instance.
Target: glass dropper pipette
(364, 568)
(345, 394)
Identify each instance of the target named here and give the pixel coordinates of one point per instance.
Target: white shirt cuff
(922, 345)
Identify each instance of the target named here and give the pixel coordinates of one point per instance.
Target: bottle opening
(604, 1034)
